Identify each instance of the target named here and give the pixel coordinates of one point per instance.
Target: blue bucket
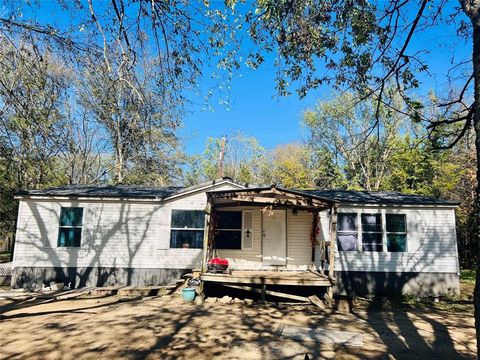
(188, 294)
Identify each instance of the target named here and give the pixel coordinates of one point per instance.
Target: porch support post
(313, 237)
(333, 241)
(208, 211)
(331, 260)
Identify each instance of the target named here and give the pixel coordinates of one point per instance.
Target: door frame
(286, 237)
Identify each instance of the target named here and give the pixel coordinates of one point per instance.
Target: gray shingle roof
(377, 197)
(106, 191)
(160, 193)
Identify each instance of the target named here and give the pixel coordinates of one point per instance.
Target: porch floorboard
(294, 278)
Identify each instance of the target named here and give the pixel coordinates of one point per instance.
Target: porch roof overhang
(276, 197)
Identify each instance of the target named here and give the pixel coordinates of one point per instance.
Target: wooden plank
(269, 292)
(265, 280)
(316, 301)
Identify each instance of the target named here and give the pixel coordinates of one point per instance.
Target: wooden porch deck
(264, 277)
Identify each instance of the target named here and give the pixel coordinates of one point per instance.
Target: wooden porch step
(269, 278)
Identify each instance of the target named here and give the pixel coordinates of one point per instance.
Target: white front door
(274, 238)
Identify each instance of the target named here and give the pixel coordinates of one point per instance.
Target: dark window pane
(188, 219)
(372, 242)
(397, 242)
(186, 239)
(71, 216)
(347, 241)
(347, 222)
(372, 247)
(396, 223)
(228, 239)
(229, 220)
(69, 237)
(371, 222)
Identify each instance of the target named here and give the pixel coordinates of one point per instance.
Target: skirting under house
(34, 278)
(388, 283)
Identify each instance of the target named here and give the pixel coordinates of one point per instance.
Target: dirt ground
(168, 328)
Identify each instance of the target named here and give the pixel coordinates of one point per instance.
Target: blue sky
(255, 110)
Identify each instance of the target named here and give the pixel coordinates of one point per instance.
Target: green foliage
(468, 276)
(244, 160)
(291, 167)
(359, 137)
(418, 169)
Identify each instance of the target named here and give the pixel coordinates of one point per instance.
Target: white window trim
(372, 232)
(179, 228)
(71, 227)
(237, 230)
(357, 222)
(383, 213)
(396, 232)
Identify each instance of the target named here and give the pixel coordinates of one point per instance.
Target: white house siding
(299, 228)
(431, 243)
(121, 234)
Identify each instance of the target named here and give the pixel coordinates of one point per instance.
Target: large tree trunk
(476, 122)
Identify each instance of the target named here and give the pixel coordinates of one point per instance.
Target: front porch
(270, 255)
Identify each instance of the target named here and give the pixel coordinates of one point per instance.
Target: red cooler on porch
(217, 265)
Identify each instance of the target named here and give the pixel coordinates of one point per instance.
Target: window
(372, 232)
(228, 233)
(70, 229)
(347, 232)
(187, 229)
(396, 232)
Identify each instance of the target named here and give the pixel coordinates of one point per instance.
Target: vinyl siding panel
(114, 234)
(299, 227)
(431, 244)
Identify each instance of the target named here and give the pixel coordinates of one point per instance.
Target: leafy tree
(291, 166)
(328, 172)
(418, 169)
(464, 157)
(366, 46)
(139, 128)
(243, 160)
(343, 128)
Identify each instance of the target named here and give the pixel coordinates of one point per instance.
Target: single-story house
(102, 235)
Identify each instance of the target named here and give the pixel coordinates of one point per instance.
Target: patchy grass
(4, 256)
(467, 276)
(462, 303)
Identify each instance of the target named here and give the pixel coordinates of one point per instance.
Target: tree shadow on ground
(168, 328)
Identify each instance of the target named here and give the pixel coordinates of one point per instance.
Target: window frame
(359, 230)
(396, 232)
(355, 215)
(185, 228)
(60, 227)
(380, 232)
(239, 230)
